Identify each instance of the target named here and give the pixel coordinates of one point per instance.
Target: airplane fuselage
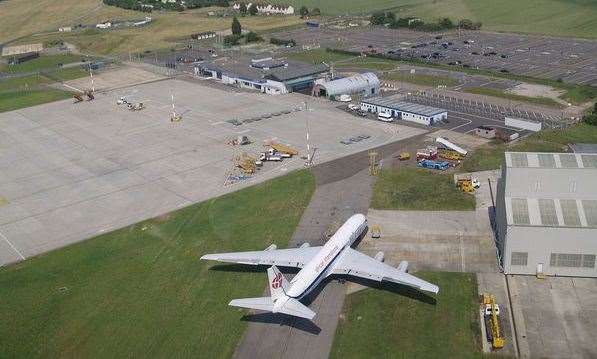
(321, 265)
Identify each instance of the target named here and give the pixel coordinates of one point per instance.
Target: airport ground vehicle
(450, 154)
(429, 153)
(385, 117)
(436, 165)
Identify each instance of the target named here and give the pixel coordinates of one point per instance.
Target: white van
(344, 98)
(385, 117)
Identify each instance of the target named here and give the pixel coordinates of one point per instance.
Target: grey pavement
(73, 171)
(555, 317)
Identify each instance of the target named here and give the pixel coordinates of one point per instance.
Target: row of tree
(390, 19)
(148, 5)
(304, 12)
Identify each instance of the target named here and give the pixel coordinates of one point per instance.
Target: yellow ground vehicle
(494, 333)
(278, 147)
(404, 156)
(465, 185)
(450, 155)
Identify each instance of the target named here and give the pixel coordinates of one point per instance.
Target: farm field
(165, 29)
(403, 323)
(576, 18)
(141, 291)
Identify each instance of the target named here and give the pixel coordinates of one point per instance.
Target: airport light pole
(308, 163)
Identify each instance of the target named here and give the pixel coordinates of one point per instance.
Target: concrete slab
(555, 317)
(71, 171)
(459, 241)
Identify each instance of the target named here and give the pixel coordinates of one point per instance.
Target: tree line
(149, 5)
(393, 22)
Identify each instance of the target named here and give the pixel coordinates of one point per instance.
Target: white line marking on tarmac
(72, 87)
(464, 124)
(12, 246)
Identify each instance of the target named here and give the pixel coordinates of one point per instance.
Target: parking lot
(571, 60)
(71, 171)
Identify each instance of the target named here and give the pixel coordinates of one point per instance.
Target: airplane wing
(292, 257)
(360, 265)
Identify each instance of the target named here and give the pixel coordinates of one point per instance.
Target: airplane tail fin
(277, 283)
(279, 302)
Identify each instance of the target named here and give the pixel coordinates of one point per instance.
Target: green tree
(591, 116)
(378, 18)
(236, 28)
(316, 12)
(253, 9)
(303, 11)
(230, 40)
(390, 17)
(243, 8)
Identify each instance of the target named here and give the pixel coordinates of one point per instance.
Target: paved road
(343, 188)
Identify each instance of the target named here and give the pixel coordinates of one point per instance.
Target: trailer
(278, 147)
(429, 153)
(451, 145)
(436, 165)
(450, 155)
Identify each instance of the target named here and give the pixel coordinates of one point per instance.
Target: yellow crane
(496, 333)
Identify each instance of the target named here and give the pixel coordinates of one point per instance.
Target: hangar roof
(351, 84)
(395, 103)
(551, 189)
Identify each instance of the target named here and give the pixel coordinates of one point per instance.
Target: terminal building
(546, 214)
(363, 85)
(266, 75)
(407, 111)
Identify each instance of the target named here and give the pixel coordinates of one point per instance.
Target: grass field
(41, 63)
(141, 291)
(31, 90)
(419, 189)
(27, 91)
(384, 324)
(552, 17)
(420, 79)
(165, 29)
(491, 156)
(542, 101)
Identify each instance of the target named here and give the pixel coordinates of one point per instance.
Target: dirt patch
(533, 90)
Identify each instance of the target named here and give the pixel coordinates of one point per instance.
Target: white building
(407, 111)
(546, 214)
(267, 8)
(366, 84)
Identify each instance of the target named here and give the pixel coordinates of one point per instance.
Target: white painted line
(217, 123)
(72, 87)
(12, 246)
(464, 124)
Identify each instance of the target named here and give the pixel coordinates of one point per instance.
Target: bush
(591, 117)
(378, 18)
(236, 28)
(231, 40)
(282, 42)
(253, 37)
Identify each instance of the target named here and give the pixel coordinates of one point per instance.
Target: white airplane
(335, 257)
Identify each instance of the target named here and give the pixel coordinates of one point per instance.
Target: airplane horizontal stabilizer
(297, 309)
(263, 303)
